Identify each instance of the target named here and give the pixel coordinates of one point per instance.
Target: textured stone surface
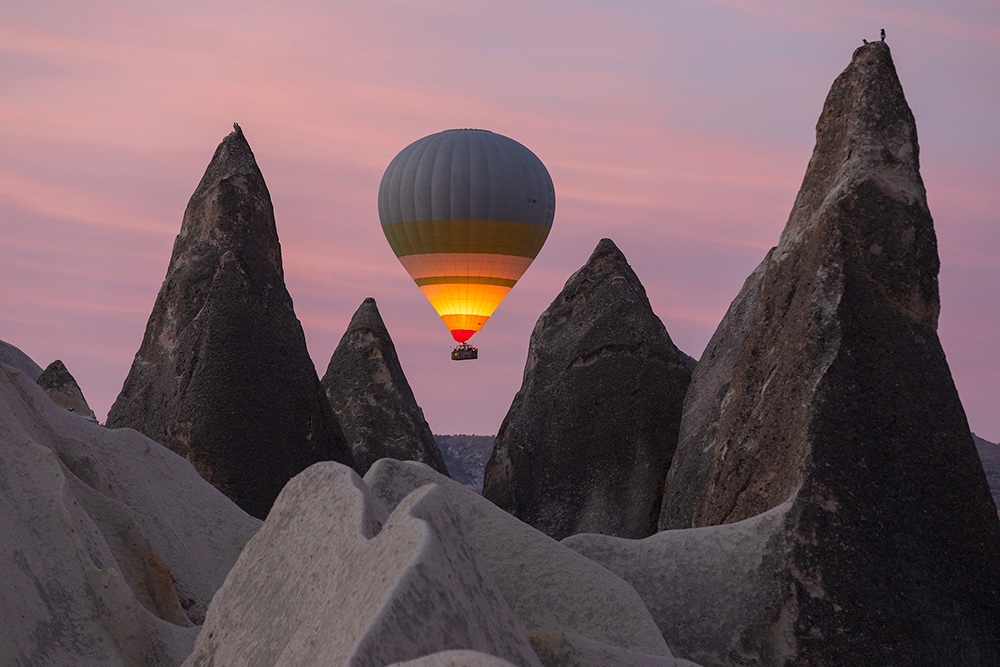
(63, 389)
(719, 594)
(550, 588)
(455, 659)
(567, 650)
(223, 377)
(12, 356)
(111, 546)
(841, 402)
(333, 579)
(702, 404)
(372, 399)
(588, 439)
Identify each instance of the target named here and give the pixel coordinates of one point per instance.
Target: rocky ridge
(14, 357)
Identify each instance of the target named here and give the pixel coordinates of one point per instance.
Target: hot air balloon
(466, 212)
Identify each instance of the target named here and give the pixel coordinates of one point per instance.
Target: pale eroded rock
(112, 545)
(333, 579)
(550, 587)
(13, 356)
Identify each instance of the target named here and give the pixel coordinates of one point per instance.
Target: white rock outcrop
(551, 588)
(713, 590)
(111, 546)
(333, 579)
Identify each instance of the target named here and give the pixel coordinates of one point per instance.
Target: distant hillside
(466, 457)
(989, 454)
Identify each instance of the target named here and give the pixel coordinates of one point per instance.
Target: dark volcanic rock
(63, 389)
(842, 409)
(588, 439)
(223, 377)
(372, 399)
(700, 418)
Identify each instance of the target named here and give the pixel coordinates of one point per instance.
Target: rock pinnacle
(223, 376)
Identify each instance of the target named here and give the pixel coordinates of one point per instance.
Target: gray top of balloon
(466, 175)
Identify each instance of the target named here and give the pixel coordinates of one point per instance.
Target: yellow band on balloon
(475, 300)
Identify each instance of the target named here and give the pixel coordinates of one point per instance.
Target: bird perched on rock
(865, 41)
(883, 34)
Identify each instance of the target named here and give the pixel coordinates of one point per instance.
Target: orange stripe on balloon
(435, 265)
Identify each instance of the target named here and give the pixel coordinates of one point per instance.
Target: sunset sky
(681, 130)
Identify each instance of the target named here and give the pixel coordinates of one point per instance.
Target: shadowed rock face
(840, 402)
(700, 418)
(63, 389)
(587, 441)
(223, 377)
(372, 399)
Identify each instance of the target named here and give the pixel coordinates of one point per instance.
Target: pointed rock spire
(372, 399)
(63, 389)
(841, 409)
(587, 441)
(223, 376)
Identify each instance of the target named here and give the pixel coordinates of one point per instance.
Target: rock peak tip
(605, 248)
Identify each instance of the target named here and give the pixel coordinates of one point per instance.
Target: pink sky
(681, 130)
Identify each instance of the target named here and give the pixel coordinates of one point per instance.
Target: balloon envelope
(466, 212)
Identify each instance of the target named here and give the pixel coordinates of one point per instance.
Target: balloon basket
(464, 351)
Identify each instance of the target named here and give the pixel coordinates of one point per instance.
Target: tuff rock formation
(63, 389)
(112, 546)
(12, 356)
(702, 403)
(332, 578)
(223, 377)
(552, 590)
(715, 592)
(588, 439)
(841, 410)
(372, 399)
